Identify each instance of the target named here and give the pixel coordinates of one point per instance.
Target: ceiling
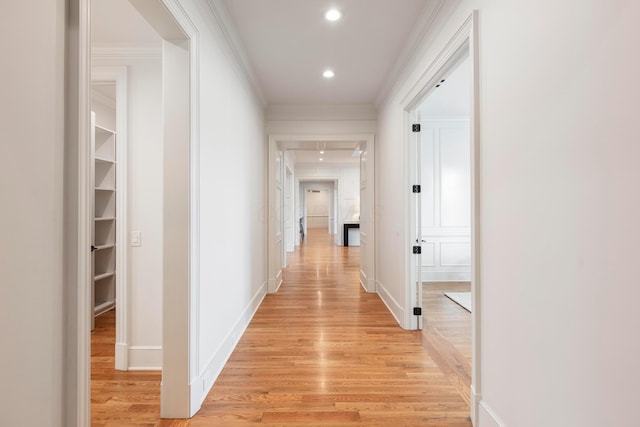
(289, 44)
(453, 97)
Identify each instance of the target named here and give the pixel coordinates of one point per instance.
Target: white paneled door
(366, 221)
(445, 175)
(276, 224)
(288, 213)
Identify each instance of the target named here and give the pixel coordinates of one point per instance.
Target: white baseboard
(475, 406)
(397, 311)
(446, 276)
(274, 284)
(122, 356)
(145, 358)
(488, 418)
(201, 385)
(369, 285)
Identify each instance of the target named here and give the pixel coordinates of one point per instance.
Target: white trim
(476, 197)
(428, 23)
(274, 273)
(464, 42)
(285, 112)
(83, 280)
(122, 354)
(445, 60)
(487, 417)
(190, 30)
(119, 52)
(145, 358)
(225, 24)
(118, 74)
(274, 284)
(202, 384)
(396, 309)
(475, 406)
(446, 276)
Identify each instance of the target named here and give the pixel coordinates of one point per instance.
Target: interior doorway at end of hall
(317, 210)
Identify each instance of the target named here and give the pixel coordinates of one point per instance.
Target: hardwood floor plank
(319, 352)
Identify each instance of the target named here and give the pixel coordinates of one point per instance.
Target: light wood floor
(319, 352)
(447, 333)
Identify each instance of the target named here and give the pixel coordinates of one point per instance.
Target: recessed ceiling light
(321, 159)
(328, 74)
(332, 15)
(321, 151)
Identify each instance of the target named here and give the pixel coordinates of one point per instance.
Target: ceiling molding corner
(225, 23)
(429, 22)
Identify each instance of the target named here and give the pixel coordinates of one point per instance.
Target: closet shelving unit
(104, 225)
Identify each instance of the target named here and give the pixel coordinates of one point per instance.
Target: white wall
(317, 208)
(559, 208)
(105, 110)
(232, 269)
(32, 289)
(144, 202)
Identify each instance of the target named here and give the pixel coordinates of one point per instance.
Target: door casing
(464, 41)
(275, 220)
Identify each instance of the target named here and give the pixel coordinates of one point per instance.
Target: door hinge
(417, 189)
(415, 127)
(417, 311)
(417, 250)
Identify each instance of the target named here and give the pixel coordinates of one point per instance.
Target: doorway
(317, 207)
(348, 193)
(444, 176)
(442, 148)
(164, 312)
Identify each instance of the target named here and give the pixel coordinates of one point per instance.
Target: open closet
(104, 245)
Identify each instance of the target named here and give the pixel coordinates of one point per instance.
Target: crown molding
(119, 51)
(302, 112)
(228, 30)
(433, 16)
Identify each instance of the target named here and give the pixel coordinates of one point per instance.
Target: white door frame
(118, 75)
(82, 330)
(274, 272)
(465, 39)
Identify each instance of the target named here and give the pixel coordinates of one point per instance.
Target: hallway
(321, 351)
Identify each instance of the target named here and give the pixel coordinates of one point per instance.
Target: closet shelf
(103, 160)
(103, 307)
(102, 247)
(103, 276)
(104, 189)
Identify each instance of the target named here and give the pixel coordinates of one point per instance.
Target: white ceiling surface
(290, 44)
(118, 22)
(453, 98)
